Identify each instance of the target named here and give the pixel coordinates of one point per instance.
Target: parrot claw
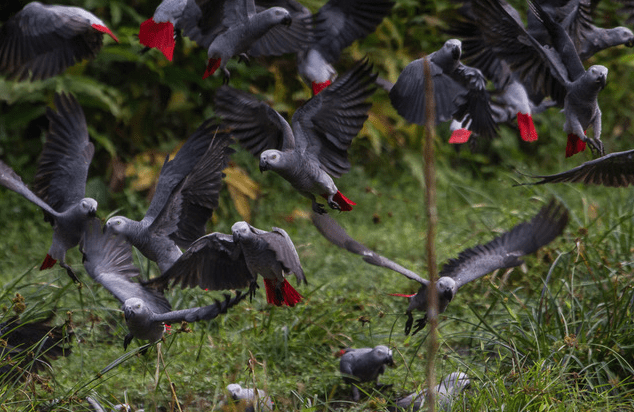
(70, 272)
(596, 146)
(244, 58)
(334, 205)
(227, 75)
(252, 288)
(319, 208)
(420, 324)
(409, 323)
(127, 340)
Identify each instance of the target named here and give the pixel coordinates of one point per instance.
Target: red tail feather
(344, 203)
(159, 35)
(48, 263)
(106, 30)
(402, 295)
(290, 297)
(526, 126)
(212, 66)
(574, 145)
(460, 136)
(317, 87)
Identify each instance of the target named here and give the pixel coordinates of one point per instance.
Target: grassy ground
(554, 334)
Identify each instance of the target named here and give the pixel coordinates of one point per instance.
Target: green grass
(554, 334)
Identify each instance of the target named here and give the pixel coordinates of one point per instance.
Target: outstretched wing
(282, 39)
(614, 170)
(505, 251)
(341, 22)
(280, 242)
(408, 94)
(337, 235)
(44, 40)
(212, 262)
(201, 313)
(206, 19)
(253, 123)
(108, 260)
(10, 179)
(326, 124)
(62, 169)
(173, 171)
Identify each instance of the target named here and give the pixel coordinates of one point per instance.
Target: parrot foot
(420, 324)
(252, 288)
(127, 340)
(70, 272)
(318, 208)
(409, 323)
(596, 145)
(244, 58)
(333, 205)
(227, 75)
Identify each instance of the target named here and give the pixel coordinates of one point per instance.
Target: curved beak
(456, 52)
(127, 311)
(287, 21)
(264, 166)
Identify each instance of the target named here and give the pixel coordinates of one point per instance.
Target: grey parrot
(554, 71)
(108, 261)
(335, 234)
(458, 90)
(338, 23)
(43, 40)
(218, 261)
(29, 345)
(256, 400)
(614, 170)
(185, 198)
(364, 365)
(502, 252)
(60, 180)
(228, 28)
(316, 147)
(450, 387)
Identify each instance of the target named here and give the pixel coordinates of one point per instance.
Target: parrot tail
(402, 295)
(460, 136)
(284, 295)
(344, 203)
(159, 35)
(48, 263)
(526, 126)
(104, 29)
(212, 66)
(317, 87)
(574, 145)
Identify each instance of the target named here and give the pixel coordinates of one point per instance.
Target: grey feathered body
(156, 247)
(303, 171)
(582, 108)
(365, 364)
(68, 228)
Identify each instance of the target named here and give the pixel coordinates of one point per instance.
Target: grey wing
(614, 170)
(535, 64)
(477, 103)
(505, 251)
(62, 169)
(253, 123)
(173, 171)
(43, 41)
(10, 179)
(341, 22)
(566, 52)
(280, 242)
(281, 39)
(408, 94)
(208, 18)
(201, 313)
(108, 261)
(326, 124)
(200, 191)
(212, 262)
(337, 235)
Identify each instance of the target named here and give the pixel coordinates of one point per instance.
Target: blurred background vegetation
(140, 107)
